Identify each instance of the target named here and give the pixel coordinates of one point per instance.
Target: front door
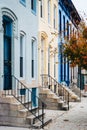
(7, 53)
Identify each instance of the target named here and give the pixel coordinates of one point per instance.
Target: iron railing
(52, 84)
(24, 96)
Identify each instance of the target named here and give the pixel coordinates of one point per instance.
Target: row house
(18, 43)
(47, 38)
(19, 102)
(67, 25)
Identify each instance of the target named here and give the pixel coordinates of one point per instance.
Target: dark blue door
(7, 53)
(34, 97)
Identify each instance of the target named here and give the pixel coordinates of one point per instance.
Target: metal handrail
(24, 96)
(52, 84)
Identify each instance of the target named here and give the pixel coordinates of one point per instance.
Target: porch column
(15, 51)
(39, 58)
(15, 63)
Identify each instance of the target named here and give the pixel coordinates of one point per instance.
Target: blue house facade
(67, 25)
(19, 44)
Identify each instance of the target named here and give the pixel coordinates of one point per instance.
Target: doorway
(7, 25)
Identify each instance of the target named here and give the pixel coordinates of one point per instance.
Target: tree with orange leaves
(76, 49)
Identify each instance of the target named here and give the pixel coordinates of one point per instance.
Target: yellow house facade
(47, 35)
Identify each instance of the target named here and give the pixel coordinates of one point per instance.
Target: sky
(81, 6)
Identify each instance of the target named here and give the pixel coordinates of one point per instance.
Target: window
(41, 8)
(23, 2)
(64, 29)
(22, 55)
(70, 29)
(67, 29)
(68, 72)
(49, 60)
(73, 31)
(42, 54)
(49, 10)
(64, 68)
(33, 5)
(54, 65)
(55, 16)
(32, 58)
(60, 22)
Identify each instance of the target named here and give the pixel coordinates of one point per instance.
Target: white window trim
(42, 4)
(35, 9)
(24, 42)
(34, 57)
(49, 11)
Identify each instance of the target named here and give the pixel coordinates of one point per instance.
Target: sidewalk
(74, 119)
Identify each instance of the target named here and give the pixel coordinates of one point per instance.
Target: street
(74, 119)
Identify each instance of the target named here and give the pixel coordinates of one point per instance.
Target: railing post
(54, 87)
(68, 100)
(42, 81)
(28, 99)
(63, 94)
(42, 115)
(31, 101)
(49, 82)
(12, 85)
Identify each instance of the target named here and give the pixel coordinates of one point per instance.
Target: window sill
(33, 79)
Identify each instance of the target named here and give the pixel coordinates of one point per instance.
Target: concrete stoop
(72, 96)
(13, 113)
(52, 101)
(76, 90)
(84, 93)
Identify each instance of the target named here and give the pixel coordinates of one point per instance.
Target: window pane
(33, 5)
(60, 22)
(21, 66)
(55, 11)
(32, 58)
(41, 8)
(49, 11)
(21, 55)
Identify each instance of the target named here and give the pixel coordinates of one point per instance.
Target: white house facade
(47, 36)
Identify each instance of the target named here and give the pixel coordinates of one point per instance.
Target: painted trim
(23, 3)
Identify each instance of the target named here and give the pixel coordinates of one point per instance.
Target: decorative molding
(9, 13)
(15, 36)
(12, 16)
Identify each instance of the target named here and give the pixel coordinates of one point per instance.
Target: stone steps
(15, 114)
(32, 119)
(72, 96)
(52, 101)
(7, 99)
(38, 125)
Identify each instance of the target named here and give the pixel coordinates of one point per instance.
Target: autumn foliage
(76, 49)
